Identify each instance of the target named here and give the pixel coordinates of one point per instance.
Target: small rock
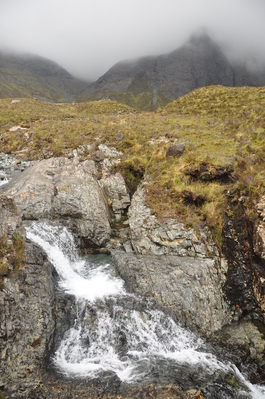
(98, 156)
(205, 176)
(253, 353)
(175, 150)
(16, 128)
(109, 152)
(119, 137)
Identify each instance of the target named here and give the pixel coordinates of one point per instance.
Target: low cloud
(87, 37)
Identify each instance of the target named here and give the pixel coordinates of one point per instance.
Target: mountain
(150, 82)
(27, 75)
(146, 83)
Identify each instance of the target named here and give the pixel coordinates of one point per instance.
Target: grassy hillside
(144, 101)
(34, 76)
(223, 130)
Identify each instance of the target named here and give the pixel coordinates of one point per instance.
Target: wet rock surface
(54, 387)
(117, 193)
(174, 266)
(245, 267)
(27, 323)
(11, 166)
(189, 289)
(66, 190)
(150, 236)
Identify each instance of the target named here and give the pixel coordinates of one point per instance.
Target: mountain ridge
(146, 83)
(198, 63)
(29, 75)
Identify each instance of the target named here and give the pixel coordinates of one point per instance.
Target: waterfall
(116, 332)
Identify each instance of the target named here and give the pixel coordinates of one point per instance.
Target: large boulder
(65, 190)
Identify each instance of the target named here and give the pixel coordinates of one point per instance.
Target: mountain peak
(154, 81)
(202, 39)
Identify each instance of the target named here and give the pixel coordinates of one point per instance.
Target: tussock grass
(223, 130)
(12, 254)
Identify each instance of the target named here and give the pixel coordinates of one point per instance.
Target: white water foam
(4, 181)
(75, 277)
(116, 339)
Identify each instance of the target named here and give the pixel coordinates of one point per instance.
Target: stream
(119, 333)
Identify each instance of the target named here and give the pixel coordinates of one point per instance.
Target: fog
(87, 37)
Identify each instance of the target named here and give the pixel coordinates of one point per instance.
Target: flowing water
(116, 332)
(4, 179)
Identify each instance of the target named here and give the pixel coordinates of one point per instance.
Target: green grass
(143, 100)
(12, 254)
(223, 130)
(2, 396)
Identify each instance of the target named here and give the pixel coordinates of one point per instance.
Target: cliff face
(198, 63)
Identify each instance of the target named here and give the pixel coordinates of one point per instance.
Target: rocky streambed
(173, 268)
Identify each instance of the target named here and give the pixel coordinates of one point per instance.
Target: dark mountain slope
(29, 75)
(153, 81)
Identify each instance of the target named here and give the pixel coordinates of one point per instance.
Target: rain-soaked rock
(176, 267)
(116, 191)
(64, 189)
(26, 322)
(151, 236)
(259, 231)
(190, 289)
(245, 334)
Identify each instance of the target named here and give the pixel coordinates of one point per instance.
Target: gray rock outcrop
(189, 289)
(150, 236)
(65, 190)
(27, 323)
(27, 303)
(174, 267)
(116, 191)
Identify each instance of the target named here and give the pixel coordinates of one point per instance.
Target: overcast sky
(87, 37)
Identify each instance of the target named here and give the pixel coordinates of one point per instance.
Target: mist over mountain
(27, 75)
(150, 82)
(144, 83)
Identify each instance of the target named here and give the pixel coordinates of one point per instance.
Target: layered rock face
(27, 322)
(27, 302)
(171, 265)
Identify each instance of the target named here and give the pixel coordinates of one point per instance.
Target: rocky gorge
(177, 269)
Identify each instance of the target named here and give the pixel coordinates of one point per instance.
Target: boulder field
(177, 268)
